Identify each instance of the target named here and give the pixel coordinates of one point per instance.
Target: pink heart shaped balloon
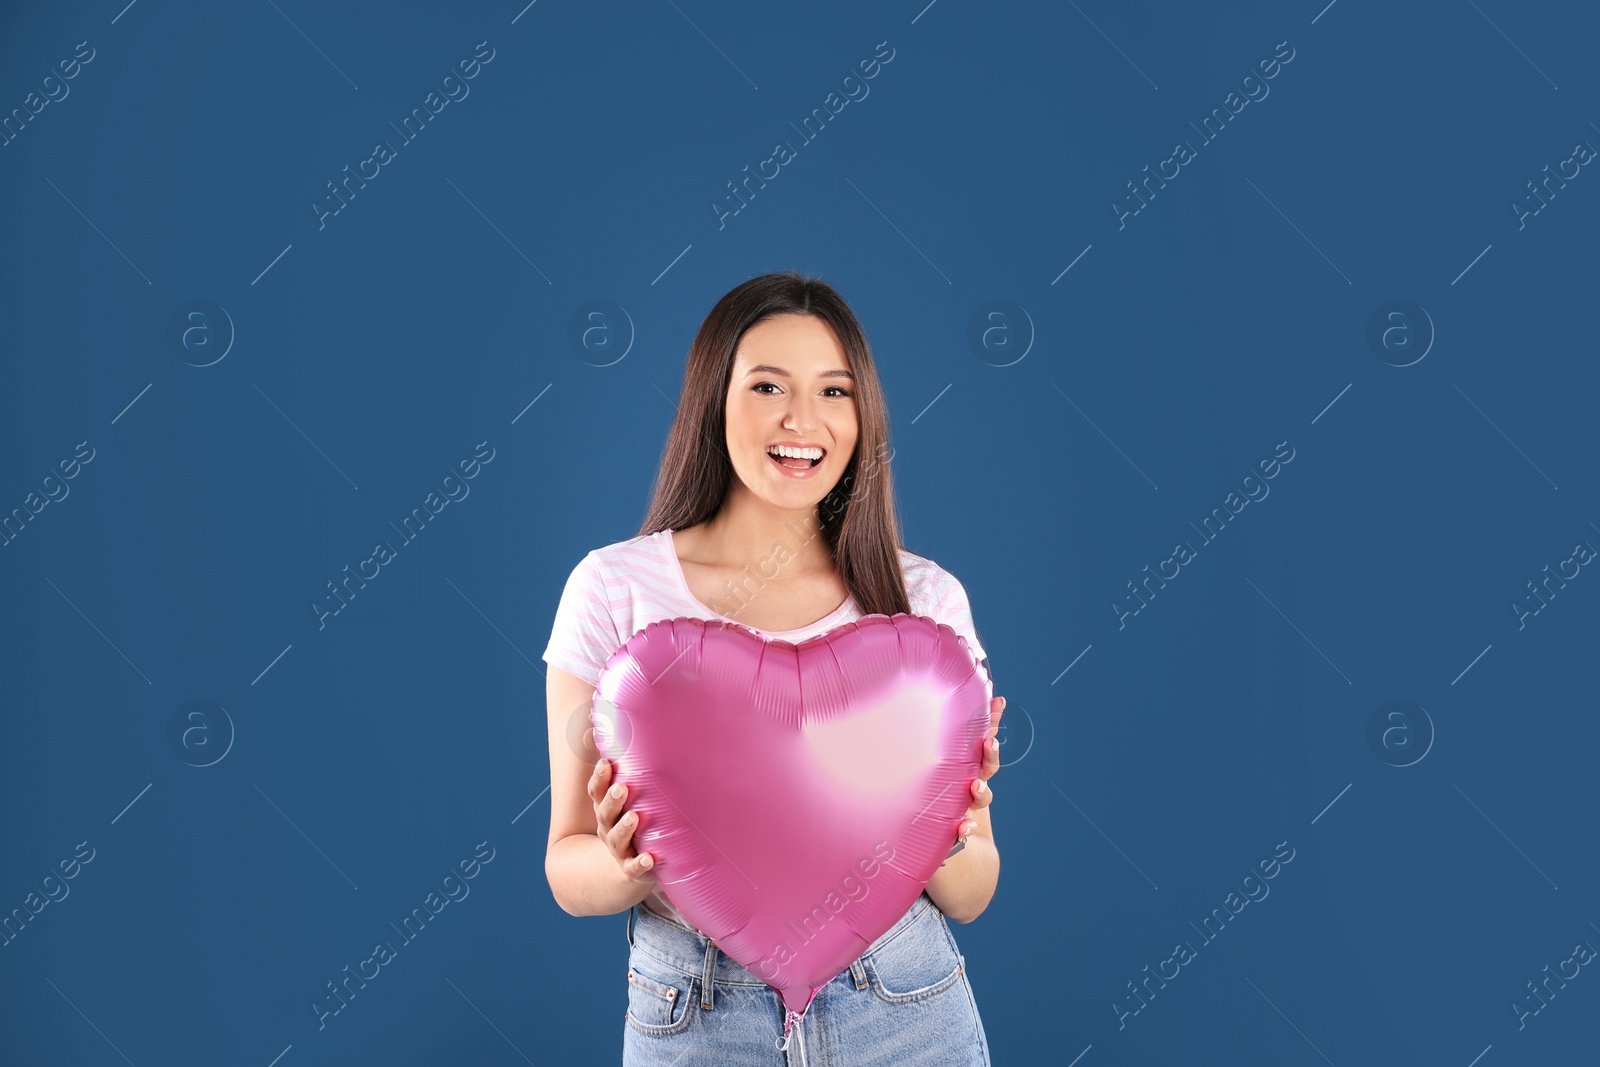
(796, 798)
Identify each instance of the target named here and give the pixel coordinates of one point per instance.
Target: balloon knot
(791, 1035)
(789, 1019)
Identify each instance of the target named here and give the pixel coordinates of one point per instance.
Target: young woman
(773, 508)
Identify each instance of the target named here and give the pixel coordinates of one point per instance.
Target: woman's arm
(582, 869)
(963, 887)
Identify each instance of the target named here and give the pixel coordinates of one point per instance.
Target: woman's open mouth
(796, 462)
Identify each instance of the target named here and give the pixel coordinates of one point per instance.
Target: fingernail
(982, 785)
(645, 860)
(617, 791)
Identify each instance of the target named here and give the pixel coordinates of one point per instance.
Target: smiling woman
(792, 402)
(775, 462)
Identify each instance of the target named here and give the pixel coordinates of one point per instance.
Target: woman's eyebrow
(767, 368)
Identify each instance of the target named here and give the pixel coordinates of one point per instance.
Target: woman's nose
(800, 418)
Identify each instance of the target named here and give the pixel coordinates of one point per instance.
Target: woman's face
(791, 385)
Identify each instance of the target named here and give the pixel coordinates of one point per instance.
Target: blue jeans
(906, 1001)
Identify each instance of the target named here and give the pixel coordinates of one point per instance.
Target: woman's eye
(837, 390)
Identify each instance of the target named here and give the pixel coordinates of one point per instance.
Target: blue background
(364, 355)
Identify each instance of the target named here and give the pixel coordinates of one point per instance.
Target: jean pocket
(660, 1003)
(919, 962)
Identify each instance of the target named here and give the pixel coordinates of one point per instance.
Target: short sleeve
(584, 635)
(954, 610)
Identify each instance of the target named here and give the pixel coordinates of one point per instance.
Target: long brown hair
(857, 516)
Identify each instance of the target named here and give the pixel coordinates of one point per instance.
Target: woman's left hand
(982, 795)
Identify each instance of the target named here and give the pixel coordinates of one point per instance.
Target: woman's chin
(804, 496)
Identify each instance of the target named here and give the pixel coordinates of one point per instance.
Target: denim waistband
(674, 945)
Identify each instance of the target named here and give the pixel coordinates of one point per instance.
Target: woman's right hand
(617, 833)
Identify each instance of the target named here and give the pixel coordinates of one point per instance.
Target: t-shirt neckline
(668, 545)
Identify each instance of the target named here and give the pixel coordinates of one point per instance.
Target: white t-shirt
(616, 591)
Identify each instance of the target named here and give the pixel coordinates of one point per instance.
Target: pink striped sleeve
(584, 634)
(948, 604)
(959, 616)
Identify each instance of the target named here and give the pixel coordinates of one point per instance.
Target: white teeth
(796, 453)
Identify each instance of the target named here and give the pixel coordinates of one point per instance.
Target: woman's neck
(746, 530)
